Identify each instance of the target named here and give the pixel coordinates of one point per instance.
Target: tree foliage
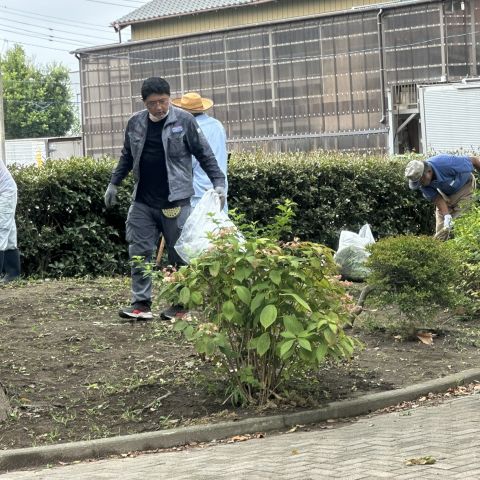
(37, 100)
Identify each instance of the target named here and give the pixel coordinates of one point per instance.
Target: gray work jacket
(182, 138)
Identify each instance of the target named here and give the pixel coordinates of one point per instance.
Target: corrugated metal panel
(452, 117)
(212, 21)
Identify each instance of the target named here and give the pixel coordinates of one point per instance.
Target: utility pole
(3, 157)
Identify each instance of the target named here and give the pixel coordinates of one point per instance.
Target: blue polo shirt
(452, 172)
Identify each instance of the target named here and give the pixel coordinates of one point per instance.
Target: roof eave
(119, 25)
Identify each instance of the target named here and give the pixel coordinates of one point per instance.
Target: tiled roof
(166, 8)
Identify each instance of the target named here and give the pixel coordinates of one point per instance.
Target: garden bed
(73, 371)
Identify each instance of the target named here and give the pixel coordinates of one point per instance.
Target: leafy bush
(65, 230)
(333, 191)
(63, 226)
(467, 243)
(270, 308)
(417, 274)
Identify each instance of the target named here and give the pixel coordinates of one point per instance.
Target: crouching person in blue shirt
(448, 182)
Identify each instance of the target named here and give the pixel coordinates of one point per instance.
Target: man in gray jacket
(158, 148)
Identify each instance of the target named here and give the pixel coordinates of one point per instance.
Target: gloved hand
(447, 221)
(221, 194)
(111, 195)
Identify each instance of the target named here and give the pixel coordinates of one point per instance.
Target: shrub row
(65, 230)
(333, 192)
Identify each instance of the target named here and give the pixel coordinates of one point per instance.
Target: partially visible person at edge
(447, 181)
(9, 254)
(158, 148)
(217, 139)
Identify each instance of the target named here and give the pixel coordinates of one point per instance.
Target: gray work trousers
(143, 227)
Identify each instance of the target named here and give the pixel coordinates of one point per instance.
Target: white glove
(221, 193)
(111, 195)
(447, 221)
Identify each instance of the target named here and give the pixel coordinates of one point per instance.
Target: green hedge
(63, 226)
(65, 230)
(333, 191)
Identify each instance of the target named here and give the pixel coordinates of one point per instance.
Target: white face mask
(153, 118)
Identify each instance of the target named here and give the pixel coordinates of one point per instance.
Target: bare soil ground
(73, 371)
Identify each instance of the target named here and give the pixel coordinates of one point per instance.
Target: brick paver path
(370, 448)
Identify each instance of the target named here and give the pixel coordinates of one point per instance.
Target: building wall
(296, 85)
(246, 16)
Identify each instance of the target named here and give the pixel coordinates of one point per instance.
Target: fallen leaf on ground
(426, 338)
(420, 461)
(239, 438)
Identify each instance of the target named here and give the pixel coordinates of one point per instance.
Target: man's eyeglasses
(154, 103)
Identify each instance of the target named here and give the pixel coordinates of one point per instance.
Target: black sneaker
(174, 312)
(136, 312)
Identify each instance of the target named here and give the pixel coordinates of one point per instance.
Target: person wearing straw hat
(448, 182)
(215, 134)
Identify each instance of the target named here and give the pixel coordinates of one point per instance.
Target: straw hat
(193, 102)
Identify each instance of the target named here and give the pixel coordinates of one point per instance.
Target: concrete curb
(69, 452)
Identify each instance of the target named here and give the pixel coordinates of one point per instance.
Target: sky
(49, 29)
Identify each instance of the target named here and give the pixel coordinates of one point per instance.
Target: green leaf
(275, 277)
(257, 301)
(241, 273)
(209, 347)
(180, 325)
(321, 351)
(304, 343)
(268, 315)
(288, 334)
(285, 348)
(244, 294)
(228, 309)
(330, 337)
(299, 300)
(184, 296)
(188, 332)
(196, 298)
(263, 344)
(292, 324)
(333, 327)
(214, 269)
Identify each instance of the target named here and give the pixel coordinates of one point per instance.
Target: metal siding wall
(107, 104)
(235, 17)
(314, 84)
(413, 44)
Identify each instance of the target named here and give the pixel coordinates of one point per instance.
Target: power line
(55, 29)
(36, 45)
(63, 21)
(42, 36)
(117, 4)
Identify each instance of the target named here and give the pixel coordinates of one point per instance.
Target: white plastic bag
(361, 239)
(351, 254)
(205, 218)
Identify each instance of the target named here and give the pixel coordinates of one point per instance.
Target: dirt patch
(72, 371)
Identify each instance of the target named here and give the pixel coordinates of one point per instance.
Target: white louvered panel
(452, 117)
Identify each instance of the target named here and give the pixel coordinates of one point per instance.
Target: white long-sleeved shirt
(7, 183)
(217, 139)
